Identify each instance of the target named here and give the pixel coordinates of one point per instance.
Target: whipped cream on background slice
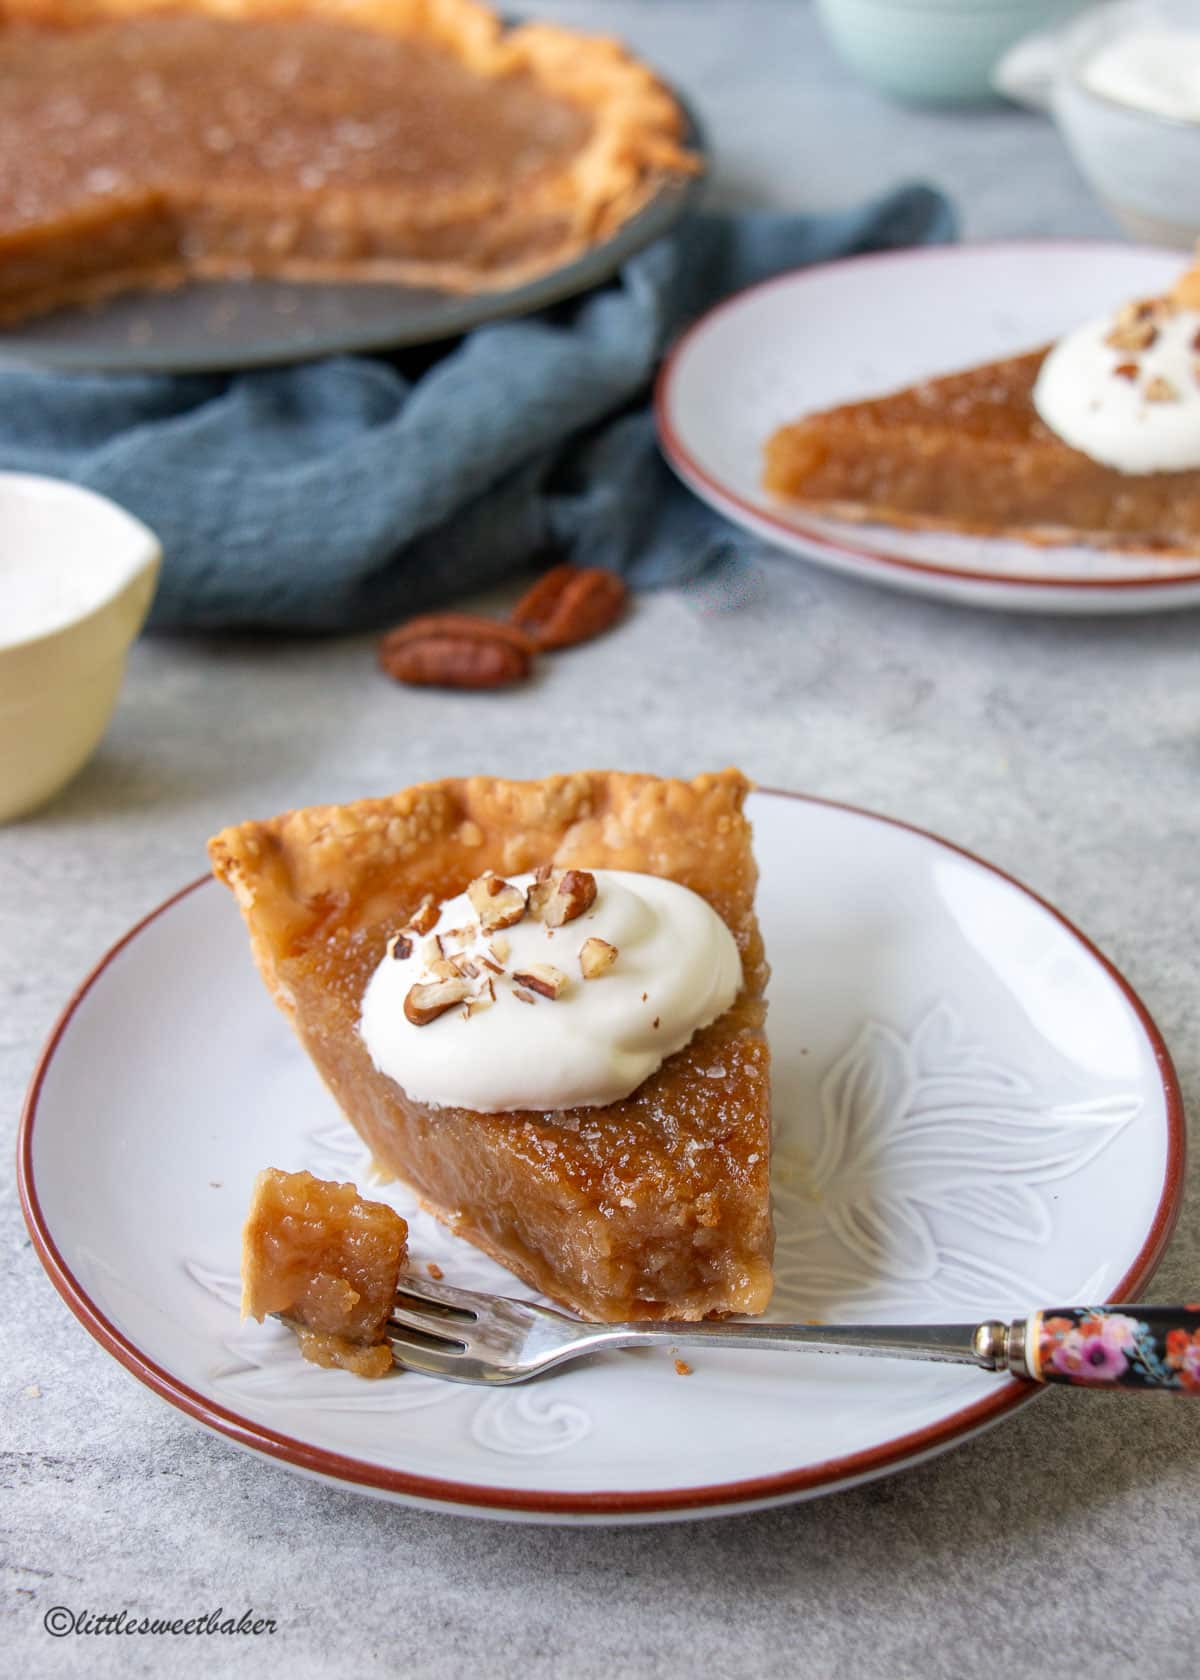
(1114, 419)
(592, 1045)
(1155, 69)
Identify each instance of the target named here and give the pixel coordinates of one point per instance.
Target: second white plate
(845, 331)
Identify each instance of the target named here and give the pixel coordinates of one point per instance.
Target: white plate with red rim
(975, 1117)
(848, 330)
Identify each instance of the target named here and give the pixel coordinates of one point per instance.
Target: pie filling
(1095, 440)
(328, 1263)
(141, 143)
(653, 1205)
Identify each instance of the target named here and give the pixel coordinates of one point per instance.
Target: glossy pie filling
(654, 1207)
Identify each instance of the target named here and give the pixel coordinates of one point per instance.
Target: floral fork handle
(1108, 1347)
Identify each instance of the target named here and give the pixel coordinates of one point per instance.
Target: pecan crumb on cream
(495, 902)
(596, 957)
(425, 918)
(563, 898)
(543, 978)
(1132, 335)
(424, 1002)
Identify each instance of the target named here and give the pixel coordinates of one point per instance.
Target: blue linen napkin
(348, 493)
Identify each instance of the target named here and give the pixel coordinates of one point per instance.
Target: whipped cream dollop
(1126, 391)
(676, 969)
(1154, 69)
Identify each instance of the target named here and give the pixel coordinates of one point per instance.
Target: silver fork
(491, 1339)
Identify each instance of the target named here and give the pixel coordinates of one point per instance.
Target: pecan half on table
(456, 650)
(569, 604)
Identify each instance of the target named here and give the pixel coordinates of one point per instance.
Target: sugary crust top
(333, 871)
(637, 129)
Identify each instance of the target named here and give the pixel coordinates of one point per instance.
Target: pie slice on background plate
(970, 452)
(418, 142)
(653, 1206)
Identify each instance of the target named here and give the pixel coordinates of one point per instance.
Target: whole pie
(416, 141)
(654, 1205)
(971, 452)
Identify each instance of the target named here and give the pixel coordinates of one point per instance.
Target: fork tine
(433, 1325)
(466, 1300)
(451, 1364)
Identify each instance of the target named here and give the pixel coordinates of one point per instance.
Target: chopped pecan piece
(574, 892)
(596, 957)
(496, 902)
(1141, 309)
(400, 946)
(1160, 390)
(543, 978)
(1132, 335)
(425, 917)
(429, 999)
(537, 897)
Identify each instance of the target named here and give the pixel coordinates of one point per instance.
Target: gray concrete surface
(1067, 751)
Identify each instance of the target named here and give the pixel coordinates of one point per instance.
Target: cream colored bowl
(77, 575)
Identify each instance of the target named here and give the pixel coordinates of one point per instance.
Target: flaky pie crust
(377, 858)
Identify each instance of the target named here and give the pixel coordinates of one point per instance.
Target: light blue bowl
(936, 52)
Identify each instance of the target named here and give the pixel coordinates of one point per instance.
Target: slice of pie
(652, 1205)
(973, 452)
(328, 1262)
(413, 141)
